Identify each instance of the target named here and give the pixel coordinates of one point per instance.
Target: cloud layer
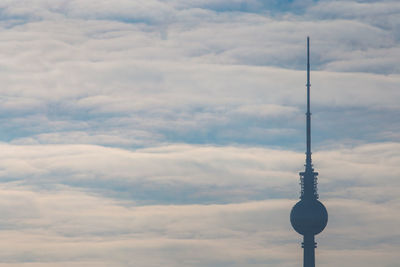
(93, 205)
(141, 133)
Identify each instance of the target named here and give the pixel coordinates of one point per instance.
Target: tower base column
(309, 246)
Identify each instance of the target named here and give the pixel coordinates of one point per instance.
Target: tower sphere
(309, 217)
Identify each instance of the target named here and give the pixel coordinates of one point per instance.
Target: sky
(171, 132)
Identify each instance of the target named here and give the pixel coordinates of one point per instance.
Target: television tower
(309, 216)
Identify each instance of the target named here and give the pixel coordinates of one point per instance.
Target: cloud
(169, 103)
(85, 229)
(69, 227)
(193, 78)
(79, 204)
(156, 132)
(182, 174)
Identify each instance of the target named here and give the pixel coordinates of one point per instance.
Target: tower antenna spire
(308, 114)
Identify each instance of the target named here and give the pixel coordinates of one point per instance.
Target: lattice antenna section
(304, 189)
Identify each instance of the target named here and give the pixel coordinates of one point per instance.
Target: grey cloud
(201, 174)
(198, 103)
(83, 229)
(239, 40)
(146, 177)
(155, 74)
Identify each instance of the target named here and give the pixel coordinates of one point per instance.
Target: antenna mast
(308, 153)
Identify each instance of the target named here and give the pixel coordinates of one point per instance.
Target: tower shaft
(309, 246)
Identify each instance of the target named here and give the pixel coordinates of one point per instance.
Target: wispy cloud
(51, 211)
(141, 133)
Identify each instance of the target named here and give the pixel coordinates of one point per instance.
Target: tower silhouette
(309, 216)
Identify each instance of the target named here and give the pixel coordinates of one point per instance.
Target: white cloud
(69, 227)
(202, 174)
(58, 203)
(122, 89)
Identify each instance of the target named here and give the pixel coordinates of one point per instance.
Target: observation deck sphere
(309, 217)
